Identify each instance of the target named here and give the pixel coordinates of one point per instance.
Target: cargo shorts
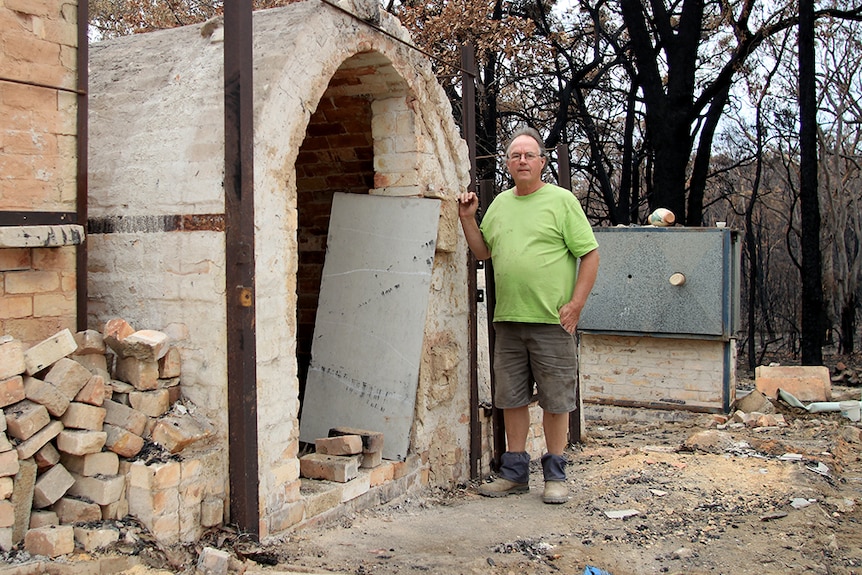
(533, 353)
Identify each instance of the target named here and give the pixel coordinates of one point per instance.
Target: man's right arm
(468, 203)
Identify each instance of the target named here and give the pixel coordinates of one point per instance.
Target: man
(535, 234)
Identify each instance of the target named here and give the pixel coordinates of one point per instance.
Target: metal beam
(240, 266)
(468, 119)
(82, 144)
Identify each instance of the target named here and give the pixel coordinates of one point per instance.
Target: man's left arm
(588, 268)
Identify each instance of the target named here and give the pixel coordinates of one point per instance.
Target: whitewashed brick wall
(658, 372)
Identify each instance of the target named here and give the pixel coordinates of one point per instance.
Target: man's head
(525, 160)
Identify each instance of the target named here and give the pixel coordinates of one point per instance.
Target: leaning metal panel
(637, 291)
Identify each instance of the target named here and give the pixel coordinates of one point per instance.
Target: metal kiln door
(371, 318)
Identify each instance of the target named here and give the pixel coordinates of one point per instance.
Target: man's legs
(517, 423)
(514, 474)
(514, 387)
(554, 363)
(556, 427)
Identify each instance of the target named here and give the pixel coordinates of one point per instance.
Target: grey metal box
(633, 293)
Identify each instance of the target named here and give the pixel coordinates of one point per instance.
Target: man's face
(524, 162)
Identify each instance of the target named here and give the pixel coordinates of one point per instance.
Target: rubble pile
(846, 375)
(92, 431)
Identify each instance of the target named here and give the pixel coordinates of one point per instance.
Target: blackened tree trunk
(848, 325)
(813, 313)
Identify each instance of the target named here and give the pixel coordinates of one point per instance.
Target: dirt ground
(731, 505)
(689, 498)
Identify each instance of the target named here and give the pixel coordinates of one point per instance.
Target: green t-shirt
(535, 242)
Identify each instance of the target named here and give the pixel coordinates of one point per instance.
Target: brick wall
(37, 286)
(336, 156)
(656, 372)
(38, 161)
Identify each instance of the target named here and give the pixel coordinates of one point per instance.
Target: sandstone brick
(330, 467)
(49, 351)
(16, 307)
(25, 418)
(90, 342)
(81, 441)
(755, 401)
(11, 358)
(175, 433)
(14, 259)
(371, 460)
(44, 393)
(381, 474)
(155, 476)
(152, 403)
(144, 344)
(74, 510)
(173, 387)
(6, 485)
(124, 416)
(120, 388)
(357, 486)
(805, 383)
(54, 304)
(6, 543)
(27, 449)
(93, 538)
(101, 489)
(91, 464)
(22, 498)
(339, 445)
(95, 363)
(116, 510)
(5, 445)
(42, 518)
(68, 376)
(11, 390)
(115, 331)
(9, 463)
(371, 440)
(142, 374)
(122, 441)
(51, 486)
(94, 391)
(170, 365)
(50, 541)
(7, 513)
(319, 496)
(141, 504)
(46, 457)
(213, 561)
(212, 511)
(84, 416)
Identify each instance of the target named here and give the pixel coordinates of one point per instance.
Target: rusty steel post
(81, 145)
(240, 266)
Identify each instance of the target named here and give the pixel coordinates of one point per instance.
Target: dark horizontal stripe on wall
(156, 224)
(37, 218)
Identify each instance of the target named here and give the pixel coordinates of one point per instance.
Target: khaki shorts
(525, 353)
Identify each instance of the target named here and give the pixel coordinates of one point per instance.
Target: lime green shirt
(535, 242)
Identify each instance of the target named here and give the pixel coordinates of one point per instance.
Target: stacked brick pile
(349, 458)
(77, 410)
(339, 456)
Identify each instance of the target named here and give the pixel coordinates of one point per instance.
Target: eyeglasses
(529, 156)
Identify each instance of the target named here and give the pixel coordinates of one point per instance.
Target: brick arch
(157, 146)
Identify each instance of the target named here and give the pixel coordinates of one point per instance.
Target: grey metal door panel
(633, 293)
(370, 322)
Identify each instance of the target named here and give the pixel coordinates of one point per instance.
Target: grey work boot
(554, 469)
(514, 476)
